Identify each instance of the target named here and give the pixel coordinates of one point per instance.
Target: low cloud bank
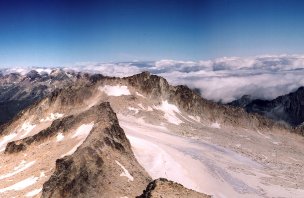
(223, 79)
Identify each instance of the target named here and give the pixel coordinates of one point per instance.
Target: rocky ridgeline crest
(288, 108)
(185, 98)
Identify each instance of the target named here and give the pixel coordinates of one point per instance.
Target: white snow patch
(144, 108)
(116, 90)
(42, 174)
(5, 140)
(140, 95)
(21, 167)
(195, 118)
(215, 125)
(83, 131)
(27, 128)
(125, 172)
(170, 111)
(59, 137)
(33, 192)
(52, 116)
(70, 152)
(276, 143)
(133, 109)
(21, 185)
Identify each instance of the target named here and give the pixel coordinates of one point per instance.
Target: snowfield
(5, 140)
(116, 90)
(198, 164)
(170, 112)
(81, 134)
(215, 125)
(125, 172)
(33, 192)
(52, 116)
(26, 128)
(21, 185)
(21, 167)
(59, 137)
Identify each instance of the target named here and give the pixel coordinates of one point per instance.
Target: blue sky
(58, 32)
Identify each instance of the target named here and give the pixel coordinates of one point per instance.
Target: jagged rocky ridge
(188, 100)
(93, 170)
(17, 91)
(288, 108)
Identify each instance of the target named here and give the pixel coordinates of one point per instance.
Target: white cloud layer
(224, 79)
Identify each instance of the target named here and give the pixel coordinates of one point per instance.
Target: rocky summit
(89, 135)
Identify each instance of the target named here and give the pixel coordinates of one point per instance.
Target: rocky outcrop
(164, 188)
(151, 85)
(288, 108)
(100, 166)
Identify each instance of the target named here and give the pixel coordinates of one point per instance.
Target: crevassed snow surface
(52, 116)
(33, 192)
(125, 172)
(21, 185)
(116, 90)
(198, 164)
(170, 111)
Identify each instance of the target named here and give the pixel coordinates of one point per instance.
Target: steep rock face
(164, 188)
(152, 85)
(103, 166)
(288, 108)
(242, 102)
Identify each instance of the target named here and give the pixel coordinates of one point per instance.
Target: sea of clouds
(223, 79)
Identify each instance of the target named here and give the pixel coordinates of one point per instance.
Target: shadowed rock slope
(164, 188)
(288, 108)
